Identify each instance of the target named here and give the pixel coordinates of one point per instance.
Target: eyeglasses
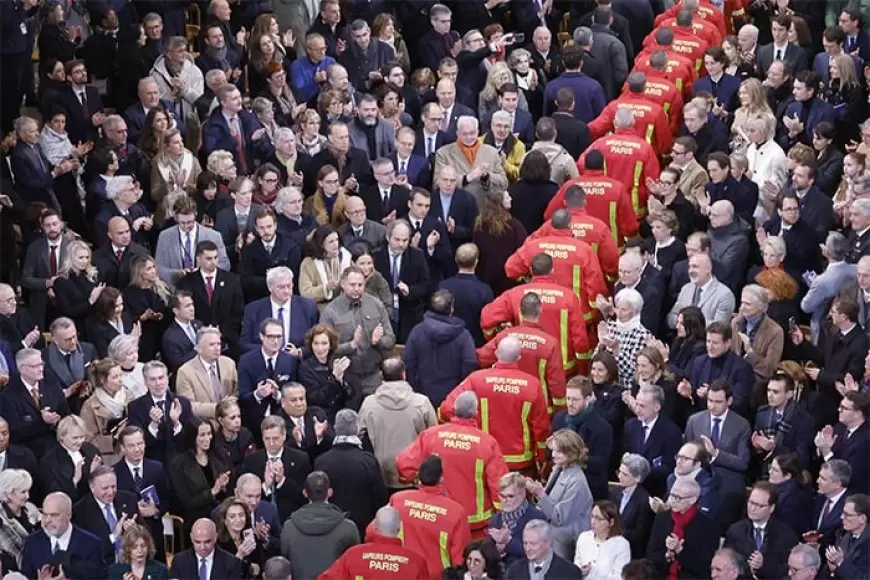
(848, 515)
(676, 497)
(845, 408)
(757, 505)
(274, 336)
(34, 365)
(685, 458)
(355, 212)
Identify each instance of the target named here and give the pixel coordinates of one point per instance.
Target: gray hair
(68, 423)
(111, 122)
(465, 406)
(116, 184)
(688, 484)
(840, 470)
(205, 331)
(60, 323)
(121, 344)
(175, 42)
(501, 116)
(154, 365)
(776, 245)
(260, 105)
(509, 350)
(758, 293)
(212, 75)
(837, 246)
(541, 527)
(346, 423)
(387, 521)
(277, 273)
(65, 501)
(583, 36)
(735, 560)
(358, 24)
(624, 117)
(751, 30)
(637, 465)
(283, 197)
(147, 81)
(291, 385)
(283, 134)
(758, 124)
(655, 391)
(14, 480)
(862, 206)
(25, 354)
(438, 10)
(391, 227)
(22, 123)
(277, 568)
(152, 17)
(515, 56)
(467, 120)
(701, 110)
(248, 478)
(632, 297)
(810, 556)
(632, 260)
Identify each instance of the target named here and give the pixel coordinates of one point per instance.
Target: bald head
(721, 213)
(508, 350)
(119, 231)
(388, 522)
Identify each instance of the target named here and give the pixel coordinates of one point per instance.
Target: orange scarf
(469, 152)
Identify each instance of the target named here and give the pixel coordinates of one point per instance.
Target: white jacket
(563, 167)
(193, 83)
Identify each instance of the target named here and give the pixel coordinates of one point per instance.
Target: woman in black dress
(68, 465)
(108, 319)
(236, 536)
(235, 441)
(497, 235)
(147, 299)
(691, 341)
(76, 289)
(323, 374)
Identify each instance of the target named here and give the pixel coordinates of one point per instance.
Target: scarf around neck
(512, 518)
(351, 439)
(681, 522)
(469, 152)
(114, 404)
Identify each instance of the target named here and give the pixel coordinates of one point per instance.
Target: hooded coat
(315, 536)
(438, 355)
(563, 167)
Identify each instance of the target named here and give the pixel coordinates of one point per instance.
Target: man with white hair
(34, 175)
(464, 450)
(296, 314)
(360, 496)
(75, 552)
(384, 545)
(148, 93)
(123, 194)
(824, 286)
(859, 232)
(729, 243)
(726, 565)
(209, 377)
(804, 562)
(860, 292)
(802, 251)
(540, 561)
(634, 274)
(747, 42)
(511, 149)
(703, 290)
(760, 338)
(484, 173)
(179, 79)
(516, 410)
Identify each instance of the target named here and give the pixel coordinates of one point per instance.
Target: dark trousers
(13, 71)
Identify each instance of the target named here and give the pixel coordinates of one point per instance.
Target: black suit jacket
(88, 515)
(652, 287)
(794, 55)
(216, 135)
(20, 457)
(777, 542)
(854, 449)
(832, 523)
(111, 271)
(463, 210)
(418, 169)
(441, 139)
(152, 474)
(701, 541)
(637, 519)
(57, 471)
(33, 179)
(798, 431)
(560, 569)
(415, 273)
(176, 346)
(297, 466)
(660, 449)
(376, 210)
(226, 309)
(164, 446)
(441, 264)
(571, 133)
(185, 566)
(802, 247)
(79, 126)
(14, 328)
(26, 426)
(309, 441)
(357, 164)
(256, 261)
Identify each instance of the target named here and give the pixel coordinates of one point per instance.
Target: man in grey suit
(703, 290)
(608, 50)
(358, 227)
(42, 263)
(859, 291)
(368, 122)
(725, 435)
(825, 286)
(176, 246)
(67, 360)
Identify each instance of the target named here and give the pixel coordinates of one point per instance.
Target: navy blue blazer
(109, 210)
(463, 210)
(830, 524)
(26, 426)
(725, 92)
(855, 450)
(152, 473)
(303, 315)
(470, 296)
(417, 168)
(819, 111)
(216, 135)
(83, 558)
(798, 433)
(79, 127)
(164, 446)
(252, 370)
(861, 43)
(458, 110)
(802, 244)
(176, 346)
(817, 209)
(33, 180)
(822, 65)
(660, 449)
(8, 356)
(256, 261)
(135, 116)
(734, 369)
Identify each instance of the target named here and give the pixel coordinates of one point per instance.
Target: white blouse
(607, 558)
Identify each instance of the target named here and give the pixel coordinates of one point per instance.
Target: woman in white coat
(173, 172)
(602, 551)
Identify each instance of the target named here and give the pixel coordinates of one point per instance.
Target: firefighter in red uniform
(702, 28)
(680, 68)
(513, 408)
(382, 557)
(587, 227)
(540, 354)
(686, 41)
(561, 313)
(650, 121)
(661, 90)
(472, 461)
(575, 264)
(433, 523)
(606, 199)
(704, 9)
(627, 159)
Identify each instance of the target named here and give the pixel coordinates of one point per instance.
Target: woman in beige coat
(105, 412)
(173, 173)
(320, 272)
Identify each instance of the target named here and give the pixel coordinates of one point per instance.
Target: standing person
(15, 52)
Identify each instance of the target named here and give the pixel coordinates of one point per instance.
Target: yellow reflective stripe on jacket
(614, 226)
(443, 544)
(648, 135)
(528, 453)
(667, 109)
(484, 414)
(545, 388)
(635, 190)
(563, 336)
(576, 279)
(481, 515)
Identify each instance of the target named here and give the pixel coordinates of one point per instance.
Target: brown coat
(96, 418)
(766, 351)
(451, 155)
(316, 206)
(192, 381)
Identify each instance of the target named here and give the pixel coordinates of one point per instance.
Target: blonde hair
(132, 535)
(216, 160)
(490, 91)
(66, 262)
(757, 98)
(846, 66)
(159, 287)
(571, 444)
(512, 479)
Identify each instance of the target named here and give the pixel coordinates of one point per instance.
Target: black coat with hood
(315, 536)
(439, 354)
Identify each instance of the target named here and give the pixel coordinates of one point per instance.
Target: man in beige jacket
(563, 167)
(479, 176)
(207, 378)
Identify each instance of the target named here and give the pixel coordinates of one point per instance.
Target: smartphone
(518, 37)
(247, 533)
(792, 323)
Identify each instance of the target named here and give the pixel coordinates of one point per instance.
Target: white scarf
(116, 405)
(627, 327)
(344, 260)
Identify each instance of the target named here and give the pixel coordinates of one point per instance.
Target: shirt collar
(131, 467)
(64, 538)
(276, 306)
(723, 416)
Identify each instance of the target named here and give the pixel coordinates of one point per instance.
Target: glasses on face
(274, 336)
(685, 458)
(790, 209)
(675, 497)
(849, 515)
(330, 182)
(757, 505)
(845, 408)
(355, 212)
(35, 365)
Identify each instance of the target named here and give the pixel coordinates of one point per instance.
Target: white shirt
(76, 456)
(62, 541)
(285, 314)
(209, 564)
(133, 469)
(607, 557)
(833, 501)
(2, 460)
(649, 426)
(212, 275)
(103, 507)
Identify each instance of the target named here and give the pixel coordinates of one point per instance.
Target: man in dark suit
(782, 426)
(780, 49)
(309, 430)
(653, 436)
(857, 40)
(41, 264)
(696, 125)
(264, 514)
(217, 55)
(385, 200)
(851, 556)
(235, 130)
(161, 414)
(801, 240)
(296, 314)
(106, 510)
(445, 92)
(149, 98)
(34, 175)
(135, 473)
(113, 260)
(32, 404)
(538, 548)
(234, 223)
(217, 296)
(430, 137)
(358, 227)
(17, 326)
(205, 561)
(832, 484)
(571, 132)
(81, 103)
(270, 249)
(282, 468)
(179, 338)
(429, 234)
(455, 208)
(717, 82)
(859, 231)
(437, 42)
(620, 25)
(412, 168)
(261, 374)
(633, 502)
(123, 200)
(546, 54)
(19, 457)
(67, 360)
(761, 534)
(77, 552)
(722, 363)
(356, 172)
(849, 439)
(632, 269)
(405, 270)
(470, 294)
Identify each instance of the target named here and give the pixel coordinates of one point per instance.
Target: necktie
(429, 146)
(281, 320)
(52, 260)
(402, 167)
(203, 569)
(643, 433)
(84, 100)
(395, 271)
(778, 416)
(187, 254)
(240, 147)
(2, 461)
(215, 382)
(120, 255)
(112, 521)
(696, 296)
(714, 435)
(416, 226)
(209, 289)
(825, 512)
(385, 198)
(270, 367)
(55, 546)
(624, 501)
(538, 569)
(778, 54)
(357, 232)
(67, 359)
(137, 479)
(191, 333)
(274, 491)
(445, 122)
(759, 537)
(35, 394)
(268, 249)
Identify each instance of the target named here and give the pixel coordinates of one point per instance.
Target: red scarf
(681, 522)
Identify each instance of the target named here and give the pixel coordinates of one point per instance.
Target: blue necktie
(203, 570)
(281, 320)
(112, 521)
(714, 436)
(759, 538)
(188, 253)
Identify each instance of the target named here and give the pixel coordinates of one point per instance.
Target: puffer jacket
(393, 416)
(439, 354)
(563, 167)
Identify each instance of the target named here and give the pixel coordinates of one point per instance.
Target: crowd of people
(524, 289)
